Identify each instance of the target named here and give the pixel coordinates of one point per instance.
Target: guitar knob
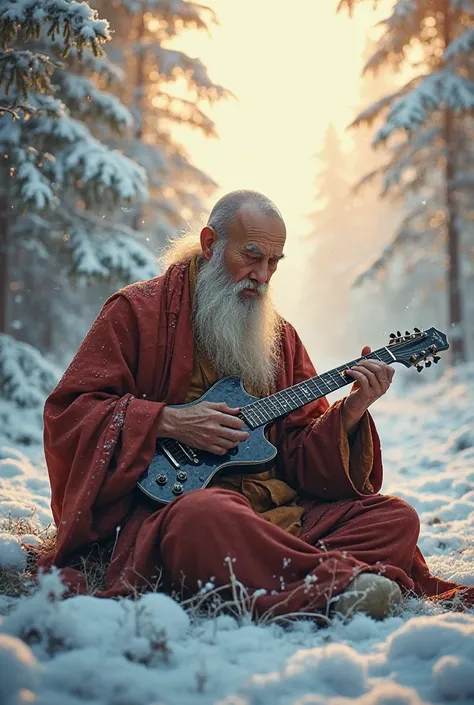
(182, 476)
(177, 488)
(162, 479)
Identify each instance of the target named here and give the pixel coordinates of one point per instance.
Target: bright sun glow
(294, 67)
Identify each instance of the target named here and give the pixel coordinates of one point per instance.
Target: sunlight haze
(294, 68)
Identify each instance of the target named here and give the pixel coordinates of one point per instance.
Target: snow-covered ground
(85, 650)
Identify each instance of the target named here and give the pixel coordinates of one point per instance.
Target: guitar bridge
(178, 453)
(190, 453)
(169, 455)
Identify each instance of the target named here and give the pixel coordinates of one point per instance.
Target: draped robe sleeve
(100, 423)
(99, 429)
(314, 452)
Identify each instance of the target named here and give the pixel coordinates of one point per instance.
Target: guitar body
(176, 469)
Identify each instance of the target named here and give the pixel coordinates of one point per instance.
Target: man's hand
(373, 378)
(207, 426)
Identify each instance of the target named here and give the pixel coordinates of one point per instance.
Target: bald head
(228, 207)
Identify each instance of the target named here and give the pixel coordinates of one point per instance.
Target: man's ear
(208, 239)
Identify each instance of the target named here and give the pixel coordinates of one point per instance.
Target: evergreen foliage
(53, 164)
(427, 132)
(167, 89)
(85, 137)
(94, 178)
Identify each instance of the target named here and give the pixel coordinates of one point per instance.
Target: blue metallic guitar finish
(173, 472)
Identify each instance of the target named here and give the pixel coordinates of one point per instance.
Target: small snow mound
(91, 621)
(458, 509)
(315, 671)
(426, 638)
(18, 671)
(10, 467)
(30, 540)
(158, 612)
(461, 439)
(36, 617)
(391, 694)
(454, 677)
(12, 555)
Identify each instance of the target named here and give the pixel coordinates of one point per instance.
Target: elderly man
(310, 534)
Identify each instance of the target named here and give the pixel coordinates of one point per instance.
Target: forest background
(122, 122)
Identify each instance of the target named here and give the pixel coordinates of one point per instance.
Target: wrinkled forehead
(252, 226)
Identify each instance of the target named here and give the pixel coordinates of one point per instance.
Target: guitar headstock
(421, 346)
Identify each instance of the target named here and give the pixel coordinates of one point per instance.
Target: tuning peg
(407, 332)
(392, 335)
(419, 367)
(399, 334)
(436, 359)
(428, 363)
(417, 330)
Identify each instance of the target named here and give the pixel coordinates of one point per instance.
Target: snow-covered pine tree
(428, 132)
(165, 89)
(58, 183)
(330, 245)
(345, 228)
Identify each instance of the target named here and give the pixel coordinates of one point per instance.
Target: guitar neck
(268, 409)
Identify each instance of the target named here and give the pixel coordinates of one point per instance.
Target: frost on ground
(151, 650)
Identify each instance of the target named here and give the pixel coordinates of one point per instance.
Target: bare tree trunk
(139, 89)
(458, 347)
(5, 228)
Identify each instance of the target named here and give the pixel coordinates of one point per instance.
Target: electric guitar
(177, 468)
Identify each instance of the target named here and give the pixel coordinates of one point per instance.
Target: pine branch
(172, 65)
(464, 44)
(349, 5)
(176, 15)
(15, 109)
(87, 102)
(407, 233)
(438, 90)
(77, 22)
(182, 112)
(102, 248)
(26, 72)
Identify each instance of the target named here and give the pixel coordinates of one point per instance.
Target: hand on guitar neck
(373, 379)
(210, 426)
(215, 427)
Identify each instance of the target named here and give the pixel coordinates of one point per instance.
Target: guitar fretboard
(273, 407)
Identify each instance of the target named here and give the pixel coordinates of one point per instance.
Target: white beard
(238, 334)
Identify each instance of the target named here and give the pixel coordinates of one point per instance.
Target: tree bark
(139, 88)
(458, 346)
(5, 229)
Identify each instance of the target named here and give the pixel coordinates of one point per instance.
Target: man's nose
(260, 273)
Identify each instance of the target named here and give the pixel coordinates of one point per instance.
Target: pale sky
(294, 67)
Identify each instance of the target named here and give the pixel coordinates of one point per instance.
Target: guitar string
(283, 402)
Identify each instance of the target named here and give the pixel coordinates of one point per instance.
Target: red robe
(100, 433)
